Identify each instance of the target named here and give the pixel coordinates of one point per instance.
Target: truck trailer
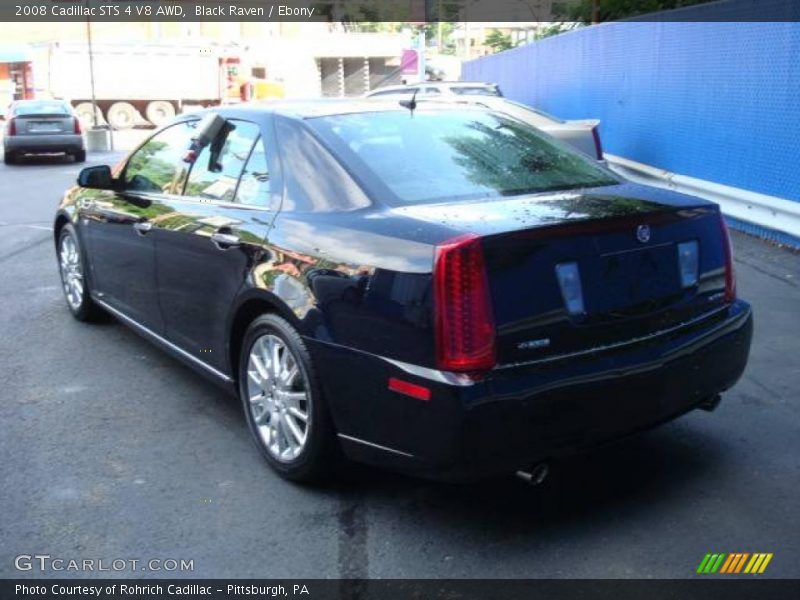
(136, 83)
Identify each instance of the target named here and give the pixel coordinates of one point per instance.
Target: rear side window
(216, 180)
(477, 90)
(158, 165)
(315, 181)
(41, 108)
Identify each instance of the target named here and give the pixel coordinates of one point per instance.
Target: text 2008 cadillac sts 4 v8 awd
(445, 290)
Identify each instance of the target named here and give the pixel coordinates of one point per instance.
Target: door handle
(225, 240)
(142, 227)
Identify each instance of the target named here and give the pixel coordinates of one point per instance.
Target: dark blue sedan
(438, 289)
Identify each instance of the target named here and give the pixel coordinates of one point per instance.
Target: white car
(581, 134)
(439, 89)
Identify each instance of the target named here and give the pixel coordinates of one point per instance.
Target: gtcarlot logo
(735, 562)
(47, 563)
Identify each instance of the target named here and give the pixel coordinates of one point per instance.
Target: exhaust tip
(536, 475)
(711, 403)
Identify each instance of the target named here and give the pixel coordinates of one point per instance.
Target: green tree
(499, 41)
(556, 29)
(612, 10)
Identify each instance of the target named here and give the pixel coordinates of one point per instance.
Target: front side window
(452, 154)
(158, 166)
(254, 187)
(216, 171)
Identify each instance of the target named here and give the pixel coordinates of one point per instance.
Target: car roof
(405, 86)
(38, 101)
(326, 107)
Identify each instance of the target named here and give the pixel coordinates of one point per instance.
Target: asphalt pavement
(110, 449)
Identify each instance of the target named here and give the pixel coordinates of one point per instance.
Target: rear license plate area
(624, 279)
(44, 127)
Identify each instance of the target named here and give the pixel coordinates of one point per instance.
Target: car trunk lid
(621, 243)
(44, 124)
(630, 284)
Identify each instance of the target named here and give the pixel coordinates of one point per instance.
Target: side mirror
(97, 178)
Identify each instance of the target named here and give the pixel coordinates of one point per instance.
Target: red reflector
(77, 126)
(12, 127)
(463, 313)
(409, 389)
(730, 274)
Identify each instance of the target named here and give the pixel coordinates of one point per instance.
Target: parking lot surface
(111, 449)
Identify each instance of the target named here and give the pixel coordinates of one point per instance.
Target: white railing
(771, 212)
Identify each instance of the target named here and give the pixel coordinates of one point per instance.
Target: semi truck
(138, 83)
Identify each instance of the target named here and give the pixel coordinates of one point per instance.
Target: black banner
(393, 589)
(413, 11)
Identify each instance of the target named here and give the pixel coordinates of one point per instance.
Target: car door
(214, 234)
(119, 225)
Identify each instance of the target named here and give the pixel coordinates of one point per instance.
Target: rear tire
(9, 158)
(80, 156)
(73, 268)
(122, 115)
(84, 112)
(159, 112)
(283, 403)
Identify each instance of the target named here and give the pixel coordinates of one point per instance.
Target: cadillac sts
(438, 289)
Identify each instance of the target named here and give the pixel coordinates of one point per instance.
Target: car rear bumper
(528, 413)
(43, 143)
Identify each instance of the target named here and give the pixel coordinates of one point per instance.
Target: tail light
(598, 146)
(730, 274)
(465, 336)
(77, 126)
(12, 127)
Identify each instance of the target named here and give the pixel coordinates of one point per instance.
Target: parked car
(582, 134)
(42, 127)
(447, 292)
(449, 89)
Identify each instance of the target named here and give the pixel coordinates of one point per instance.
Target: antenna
(410, 104)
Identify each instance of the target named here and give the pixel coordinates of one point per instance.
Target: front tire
(72, 267)
(283, 403)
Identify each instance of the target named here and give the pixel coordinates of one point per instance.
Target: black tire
(9, 158)
(86, 309)
(320, 456)
(80, 156)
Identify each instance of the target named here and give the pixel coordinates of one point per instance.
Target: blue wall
(717, 101)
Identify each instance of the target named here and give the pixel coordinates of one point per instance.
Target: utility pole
(91, 65)
(439, 28)
(595, 12)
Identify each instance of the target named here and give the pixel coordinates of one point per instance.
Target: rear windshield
(476, 90)
(40, 108)
(438, 155)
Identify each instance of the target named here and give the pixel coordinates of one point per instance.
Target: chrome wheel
(278, 398)
(71, 271)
